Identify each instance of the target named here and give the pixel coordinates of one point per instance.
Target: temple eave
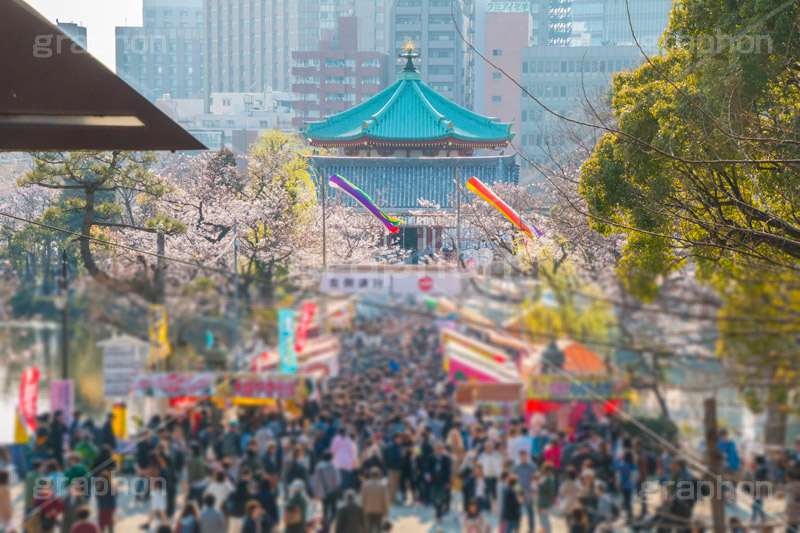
(443, 143)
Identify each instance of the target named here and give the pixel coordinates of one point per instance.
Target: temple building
(408, 143)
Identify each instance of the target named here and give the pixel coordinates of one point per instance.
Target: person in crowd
(189, 519)
(350, 518)
(219, 487)
(791, 494)
(297, 470)
(476, 488)
(491, 462)
(254, 517)
(526, 472)
(345, 458)
(394, 464)
(211, 519)
(83, 522)
(760, 489)
(84, 447)
(236, 504)
(546, 495)
(474, 520)
(106, 494)
(626, 481)
(268, 500)
(327, 482)
(72, 501)
(56, 437)
(196, 474)
(568, 493)
(31, 517)
(6, 510)
(375, 500)
(77, 470)
(512, 505)
(437, 475)
(296, 508)
(47, 504)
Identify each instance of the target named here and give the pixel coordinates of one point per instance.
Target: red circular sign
(425, 283)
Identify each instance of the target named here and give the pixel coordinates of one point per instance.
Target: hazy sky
(100, 18)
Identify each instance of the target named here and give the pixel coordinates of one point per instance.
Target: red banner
(29, 397)
(301, 335)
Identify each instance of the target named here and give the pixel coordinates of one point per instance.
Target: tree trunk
(775, 425)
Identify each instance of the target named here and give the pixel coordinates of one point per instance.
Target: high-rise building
(607, 22)
(249, 44)
(562, 79)
(449, 68)
(166, 54)
(501, 97)
(75, 31)
(337, 76)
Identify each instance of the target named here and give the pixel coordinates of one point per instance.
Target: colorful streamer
(475, 185)
(358, 195)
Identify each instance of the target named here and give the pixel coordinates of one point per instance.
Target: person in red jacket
(47, 504)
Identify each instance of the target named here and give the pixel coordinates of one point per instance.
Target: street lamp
(61, 302)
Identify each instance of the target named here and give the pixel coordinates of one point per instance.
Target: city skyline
(100, 17)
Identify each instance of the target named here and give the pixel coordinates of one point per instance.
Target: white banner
(121, 363)
(396, 283)
(170, 385)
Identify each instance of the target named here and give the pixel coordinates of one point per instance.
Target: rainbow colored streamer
(361, 197)
(475, 185)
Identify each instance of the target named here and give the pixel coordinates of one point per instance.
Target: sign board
(556, 387)
(397, 283)
(508, 7)
(121, 362)
(62, 398)
(159, 340)
(264, 387)
(355, 282)
(171, 385)
(286, 350)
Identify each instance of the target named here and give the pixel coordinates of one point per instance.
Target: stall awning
(54, 96)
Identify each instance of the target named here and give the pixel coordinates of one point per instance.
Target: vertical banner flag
(309, 308)
(119, 423)
(159, 345)
(29, 397)
(62, 398)
(286, 351)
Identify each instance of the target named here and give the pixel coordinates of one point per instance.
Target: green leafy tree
(700, 166)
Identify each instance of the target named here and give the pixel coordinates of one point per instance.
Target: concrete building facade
(166, 54)
(501, 97)
(449, 66)
(337, 76)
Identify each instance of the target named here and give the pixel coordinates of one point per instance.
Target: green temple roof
(409, 111)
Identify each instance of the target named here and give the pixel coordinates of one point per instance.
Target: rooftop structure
(409, 119)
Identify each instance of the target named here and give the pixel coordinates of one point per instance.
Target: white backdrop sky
(100, 18)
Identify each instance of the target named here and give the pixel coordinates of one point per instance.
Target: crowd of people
(384, 433)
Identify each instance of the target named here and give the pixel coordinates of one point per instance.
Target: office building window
(496, 75)
(497, 98)
(497, 52)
